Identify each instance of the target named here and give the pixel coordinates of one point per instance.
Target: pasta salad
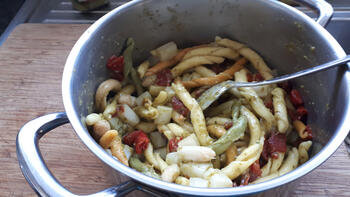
(155, 118)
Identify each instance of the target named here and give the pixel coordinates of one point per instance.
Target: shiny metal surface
(38, 175)
(323, 9)
(63, 11)
(286, 48)
(30, 159)
(186, 22)
(302, 73)
(220, 89)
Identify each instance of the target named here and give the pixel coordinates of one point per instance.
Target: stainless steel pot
(285, 37)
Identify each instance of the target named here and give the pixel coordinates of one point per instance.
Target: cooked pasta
(276, 162)
(195, 61)
(255, 101)
(280, 109)
(303, 151)
(253, 124)
(164, 132)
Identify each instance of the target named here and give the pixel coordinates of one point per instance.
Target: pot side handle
(39, 176)
(323, 9)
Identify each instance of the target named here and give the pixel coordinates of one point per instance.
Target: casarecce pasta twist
(163, 132)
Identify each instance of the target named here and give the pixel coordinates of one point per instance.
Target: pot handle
(38, 175)
(324, 10)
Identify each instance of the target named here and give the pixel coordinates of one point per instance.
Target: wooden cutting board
(31, 65)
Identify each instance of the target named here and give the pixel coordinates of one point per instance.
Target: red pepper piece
(174, 144)
(295, 98)
(137, 139)
(116, 64)
(254, 171)
(179, 106)
(164, 77)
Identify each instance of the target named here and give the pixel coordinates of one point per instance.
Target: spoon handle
(305, 72)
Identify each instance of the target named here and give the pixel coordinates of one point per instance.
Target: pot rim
(93, 146)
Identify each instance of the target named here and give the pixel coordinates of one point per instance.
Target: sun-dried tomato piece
(254, 77)
(130, 138)
(254, 171)
(250, 77)
(141, 144)
(301, 113)
(116, 65)
(258, 77)
(245, 179)
(174, 144)
(295, 98)
(286, 86)
(217, 68)
(164, 77)
(274, 155)
(299, 140)
(228, 125)
(137, 139)
(265, 152)
(269, 104)
(179, 106)
(308, 130)
(277, 142)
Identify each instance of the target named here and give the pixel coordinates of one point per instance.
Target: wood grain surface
(31, 65)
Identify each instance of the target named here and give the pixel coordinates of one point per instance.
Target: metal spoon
(216, 91)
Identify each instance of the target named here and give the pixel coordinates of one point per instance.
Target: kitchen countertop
(31, 65)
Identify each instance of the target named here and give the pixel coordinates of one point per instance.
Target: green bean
(129, 68)
(233, 134)
(137, 81)
(213, 93)
(216, 162)
(235, 110)
(143, 168)
(127, 54)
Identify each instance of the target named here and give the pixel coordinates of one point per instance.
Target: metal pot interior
(287, 40)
